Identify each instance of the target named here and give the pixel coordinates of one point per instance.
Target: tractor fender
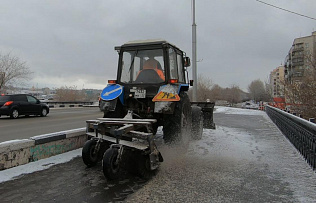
(108, 105)
(164, 107)
(166, 97)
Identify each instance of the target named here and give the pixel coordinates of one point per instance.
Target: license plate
(140, 93)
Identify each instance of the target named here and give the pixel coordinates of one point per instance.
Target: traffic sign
(166, 96)
(111, 92)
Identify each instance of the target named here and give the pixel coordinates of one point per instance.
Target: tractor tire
(197, 123)
(111, 170)
(143, 164)
(88, 156)
(177, 126)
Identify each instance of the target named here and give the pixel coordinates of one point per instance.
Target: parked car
(21, 104)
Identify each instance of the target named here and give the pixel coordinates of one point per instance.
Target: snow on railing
(301, 133)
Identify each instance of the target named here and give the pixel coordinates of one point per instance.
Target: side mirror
(191, 82)
(187, 61)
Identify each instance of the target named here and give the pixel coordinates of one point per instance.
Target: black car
(21, 104)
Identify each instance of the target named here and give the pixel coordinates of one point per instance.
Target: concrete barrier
(70, 105)
(18, 152)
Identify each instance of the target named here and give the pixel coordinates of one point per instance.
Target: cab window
(180, 68)
(173, 64)
(142, 66)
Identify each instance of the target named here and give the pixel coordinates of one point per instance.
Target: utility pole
(194, 68)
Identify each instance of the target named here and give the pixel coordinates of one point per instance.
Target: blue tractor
(150, 91)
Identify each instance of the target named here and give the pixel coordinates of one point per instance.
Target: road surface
(57, 120)
(246, 159)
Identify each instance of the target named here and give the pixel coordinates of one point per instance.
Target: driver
(153, 64)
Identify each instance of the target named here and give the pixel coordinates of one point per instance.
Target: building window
(299, 45)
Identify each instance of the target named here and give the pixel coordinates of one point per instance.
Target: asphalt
(246, 159)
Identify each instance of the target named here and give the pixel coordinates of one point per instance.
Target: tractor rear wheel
(143, 164)
(177, 127)
(197, 122)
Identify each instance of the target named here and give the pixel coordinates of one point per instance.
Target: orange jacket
(153, 64)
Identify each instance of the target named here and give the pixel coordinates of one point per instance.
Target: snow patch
(230, 110)
(13, 141)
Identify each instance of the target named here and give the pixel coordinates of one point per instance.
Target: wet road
(246, 159)
(57, 120)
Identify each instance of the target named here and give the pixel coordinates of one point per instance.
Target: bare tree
(301, 95)
(257, 90)
(213, 92)
(67, 94)
(204, 88)
(269, 91)
(12, 70)
(234, 95)
(216, 93)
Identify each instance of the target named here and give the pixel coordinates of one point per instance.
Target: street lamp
(194, 68)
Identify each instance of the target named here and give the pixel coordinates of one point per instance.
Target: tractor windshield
(142, 66)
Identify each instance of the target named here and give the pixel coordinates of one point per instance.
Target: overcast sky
(70, 43)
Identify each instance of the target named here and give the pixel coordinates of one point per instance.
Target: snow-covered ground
(252, 162)
(230, 110)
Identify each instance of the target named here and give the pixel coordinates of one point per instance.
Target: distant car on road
(15, 105)
(250, 105)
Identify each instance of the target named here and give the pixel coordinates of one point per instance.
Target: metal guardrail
(301, 133)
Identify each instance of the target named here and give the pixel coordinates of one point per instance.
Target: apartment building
(298, 58)
(277, 82)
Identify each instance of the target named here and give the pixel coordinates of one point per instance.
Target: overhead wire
(286, 10)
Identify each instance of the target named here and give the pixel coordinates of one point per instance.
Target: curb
(18, 152)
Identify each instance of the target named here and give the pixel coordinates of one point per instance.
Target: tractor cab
(152, 62)
(145, 68)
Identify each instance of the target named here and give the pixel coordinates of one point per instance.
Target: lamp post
(194, 69)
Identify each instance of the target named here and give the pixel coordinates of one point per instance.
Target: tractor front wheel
(89, 154)
(110, 166)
